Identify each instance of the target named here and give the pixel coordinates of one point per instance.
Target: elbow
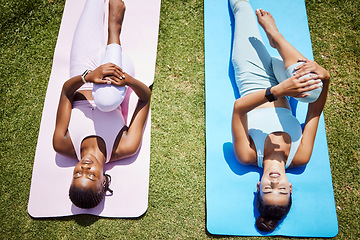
(238, 106)
(244, 157)
(147, 96)
(244, 160)
(56, 145)
(132, 150)
(299, 163)
(126, 151)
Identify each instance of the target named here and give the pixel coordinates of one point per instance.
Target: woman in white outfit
(90, 126)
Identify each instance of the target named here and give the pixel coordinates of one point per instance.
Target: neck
(274, 164)
(94, 152)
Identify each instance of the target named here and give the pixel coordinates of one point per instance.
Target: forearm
(251, 101)
(61, 139)
(317, 107)
(141, 90)
(71, 85)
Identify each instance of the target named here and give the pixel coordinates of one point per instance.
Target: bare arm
(129, 139)
(304, 151)
(61, 139)
(243, 146)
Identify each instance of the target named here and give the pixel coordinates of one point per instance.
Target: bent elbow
(55, 144)
(245, 161)
(237, 106)
(244, 158)
(126, 151)
(131, 151)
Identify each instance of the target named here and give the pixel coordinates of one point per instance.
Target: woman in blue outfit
(265, 133)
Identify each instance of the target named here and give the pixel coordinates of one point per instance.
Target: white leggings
(90, 50)
(254, 68)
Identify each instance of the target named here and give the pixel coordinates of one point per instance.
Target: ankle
(277, 37)
(114, 35)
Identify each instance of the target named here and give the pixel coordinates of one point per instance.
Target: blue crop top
(263, 121)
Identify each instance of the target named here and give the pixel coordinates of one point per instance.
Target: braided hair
(270, 215)
(87, 198)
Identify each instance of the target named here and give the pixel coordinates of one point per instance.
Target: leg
(88, 38)
(116, 17)
(109, 97)
(251, 61)
(288, 53)
(113, 52)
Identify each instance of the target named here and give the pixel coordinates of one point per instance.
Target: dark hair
(87, 198)
(270, 215)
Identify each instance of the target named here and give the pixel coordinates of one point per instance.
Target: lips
(86, 161)
(274, 174)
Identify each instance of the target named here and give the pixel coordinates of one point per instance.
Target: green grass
(176, 210)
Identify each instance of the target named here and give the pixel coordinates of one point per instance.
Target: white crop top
(263, 121)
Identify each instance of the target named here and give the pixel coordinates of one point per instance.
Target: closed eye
(91, 176)
(77, 175)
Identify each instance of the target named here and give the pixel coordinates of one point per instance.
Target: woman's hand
(108, 73)
(297, 85)
(313, 67)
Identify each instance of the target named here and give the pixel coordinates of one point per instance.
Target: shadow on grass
(85, 220)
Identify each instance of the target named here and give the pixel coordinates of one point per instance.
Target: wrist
(275, 90)
(269, 95)
(128, 79)
(84, 75)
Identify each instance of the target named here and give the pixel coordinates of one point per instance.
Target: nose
(85, 166)
(274, 182)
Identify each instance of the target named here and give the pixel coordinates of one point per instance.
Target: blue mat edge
(208, 72)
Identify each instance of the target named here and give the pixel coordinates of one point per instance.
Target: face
(88, 173)
(275, 188)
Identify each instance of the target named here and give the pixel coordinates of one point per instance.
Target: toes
(262, 12)
(259, 12)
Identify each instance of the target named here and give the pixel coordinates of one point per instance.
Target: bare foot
(267, 22)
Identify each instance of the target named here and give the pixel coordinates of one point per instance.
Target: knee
(107, 97)
(314, 95)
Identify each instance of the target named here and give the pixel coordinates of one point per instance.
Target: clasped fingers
(313, 67)
(297, 85)
(111, 69)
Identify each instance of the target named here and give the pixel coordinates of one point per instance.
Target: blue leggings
(254, 68)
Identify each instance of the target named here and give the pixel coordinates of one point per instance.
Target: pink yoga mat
(52, 173)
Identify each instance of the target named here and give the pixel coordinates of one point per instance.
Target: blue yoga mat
(230, 186)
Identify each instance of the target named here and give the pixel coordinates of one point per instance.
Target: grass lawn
(176, 210)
